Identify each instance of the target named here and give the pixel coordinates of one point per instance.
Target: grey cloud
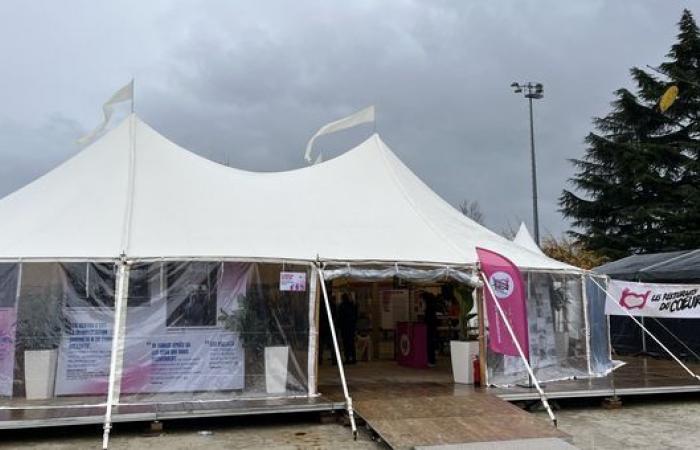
(248, 83)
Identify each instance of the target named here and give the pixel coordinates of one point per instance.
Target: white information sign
(680, 301)
(293, 281)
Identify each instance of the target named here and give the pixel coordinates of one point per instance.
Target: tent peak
(524, 239)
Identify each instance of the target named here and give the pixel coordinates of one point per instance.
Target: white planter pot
(276, 359)
(462, 354)
(39, 373)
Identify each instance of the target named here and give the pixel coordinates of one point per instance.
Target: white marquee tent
(146, 197)
(148, 220)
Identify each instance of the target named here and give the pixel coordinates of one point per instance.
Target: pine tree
(640, 176)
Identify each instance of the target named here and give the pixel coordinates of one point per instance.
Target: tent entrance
(401, 399)
(395, 327)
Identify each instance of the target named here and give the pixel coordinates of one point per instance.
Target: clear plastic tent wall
(568, 336)
(56, 333)
(194, 332)
(568, 329)
(205, 331)
(600, 345)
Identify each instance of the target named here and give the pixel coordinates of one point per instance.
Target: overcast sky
(249, 82)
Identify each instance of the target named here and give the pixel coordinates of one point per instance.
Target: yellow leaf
(668, 98)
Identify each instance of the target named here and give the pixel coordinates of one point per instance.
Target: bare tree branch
(472, 209)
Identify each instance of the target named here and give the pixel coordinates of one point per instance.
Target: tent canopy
(135, 193)
(679, 266)
(524, 239)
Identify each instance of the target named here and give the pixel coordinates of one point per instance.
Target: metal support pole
(339, 359)
(644, 339)
(117, 355)
(543, 397)
(480, 311)
(535, 214)
(587, 324)
(313, 333)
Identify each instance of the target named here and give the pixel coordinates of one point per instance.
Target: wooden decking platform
(66, 413)
(639, 376)
(422, 407)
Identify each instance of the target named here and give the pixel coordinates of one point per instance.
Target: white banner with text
(679, 301)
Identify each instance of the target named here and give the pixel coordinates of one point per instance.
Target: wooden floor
(639, 376)
(423, 407)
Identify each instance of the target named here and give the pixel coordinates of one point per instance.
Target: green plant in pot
(466, 348)
(253, 320)
(464, 296)
(262, 340)
(39, 330)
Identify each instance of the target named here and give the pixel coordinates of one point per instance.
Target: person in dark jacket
(325, 338)
(430, 318)
(347, 322)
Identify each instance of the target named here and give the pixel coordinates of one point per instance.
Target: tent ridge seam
(130, 189)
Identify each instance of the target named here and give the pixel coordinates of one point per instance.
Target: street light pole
(532, 91)
(535, 213)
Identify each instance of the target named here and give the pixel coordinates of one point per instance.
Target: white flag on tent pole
(363, 116)
(124, 94)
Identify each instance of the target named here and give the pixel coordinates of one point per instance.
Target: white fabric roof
(524, 239)
(364, 205)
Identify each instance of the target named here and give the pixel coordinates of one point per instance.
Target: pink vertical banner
(507, 284)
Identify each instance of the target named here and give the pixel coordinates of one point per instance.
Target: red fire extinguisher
(476, 370)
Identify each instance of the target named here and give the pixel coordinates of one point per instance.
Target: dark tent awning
(680, 266)
(679, 335)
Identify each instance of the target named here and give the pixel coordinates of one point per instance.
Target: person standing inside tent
(430, 318)
(347, 321)
(325, 337)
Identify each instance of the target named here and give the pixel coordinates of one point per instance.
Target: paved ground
(642, 423)
(271, 432)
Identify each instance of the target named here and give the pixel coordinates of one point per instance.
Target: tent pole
(338, 357)
(584, 299)
(543, 397)
(312, 368)
(646, 331)
(607, 317)
(482, 336)
(117, 355)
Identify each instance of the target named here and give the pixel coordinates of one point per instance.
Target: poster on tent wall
(8, 326)
(507, 285)
(186, 361)
(679, 301)
(172, 361)
(293, 281)
(84, 351)
(157, 358)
